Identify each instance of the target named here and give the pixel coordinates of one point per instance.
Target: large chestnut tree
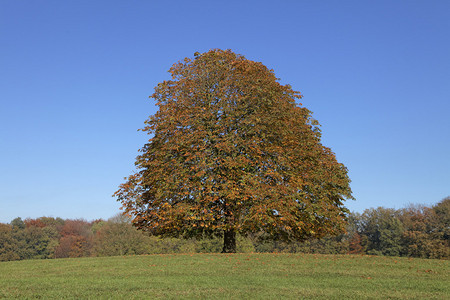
(231, 151)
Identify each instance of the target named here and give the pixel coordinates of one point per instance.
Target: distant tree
(356, 244)
(8, 244)
(76, 239)
(67, 247)
(442, 221)
(56, 223)
(34, 223)
(40, 242)
(118, 237)
(18, 223)
(76, 227)
(383, 230)
(424, 234)
(441, 230)
(31, 239)
(231, 152)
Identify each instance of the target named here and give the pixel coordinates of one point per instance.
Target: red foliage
(34, 223)
(76, 239)
(75, 227)
(355, 245)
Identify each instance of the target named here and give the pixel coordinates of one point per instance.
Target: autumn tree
(427, 230)
(76, 239)
(231, 151)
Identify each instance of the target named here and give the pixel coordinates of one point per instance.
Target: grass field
(227, 276)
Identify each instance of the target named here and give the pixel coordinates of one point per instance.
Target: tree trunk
(229, 241)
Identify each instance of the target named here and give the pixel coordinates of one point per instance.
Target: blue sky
(75, 77)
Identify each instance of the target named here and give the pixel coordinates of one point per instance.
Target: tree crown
(231, 150)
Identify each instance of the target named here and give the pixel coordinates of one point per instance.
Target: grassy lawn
(223, 276)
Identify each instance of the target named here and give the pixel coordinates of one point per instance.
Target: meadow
(226, 276)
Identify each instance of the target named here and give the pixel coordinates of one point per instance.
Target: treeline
(415, 231)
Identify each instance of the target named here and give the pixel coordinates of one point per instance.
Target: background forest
(414, 231)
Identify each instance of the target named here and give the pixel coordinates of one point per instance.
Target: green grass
(223, 276)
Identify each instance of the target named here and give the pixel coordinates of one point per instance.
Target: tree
(231, 152)
(18, 224)
(357, 243)
(442, 221)
(76, 239)
(383, 230)
(118, 237)
(441, 230)
(8, 244)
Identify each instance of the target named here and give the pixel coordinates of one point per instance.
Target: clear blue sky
(75, 77)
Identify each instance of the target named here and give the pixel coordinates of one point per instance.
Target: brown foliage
(34, 223)
(356, 244)
(76, 227)
(425, 232)
(76, 239)
(231, 151)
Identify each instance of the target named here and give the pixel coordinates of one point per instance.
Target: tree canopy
(231, 151)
